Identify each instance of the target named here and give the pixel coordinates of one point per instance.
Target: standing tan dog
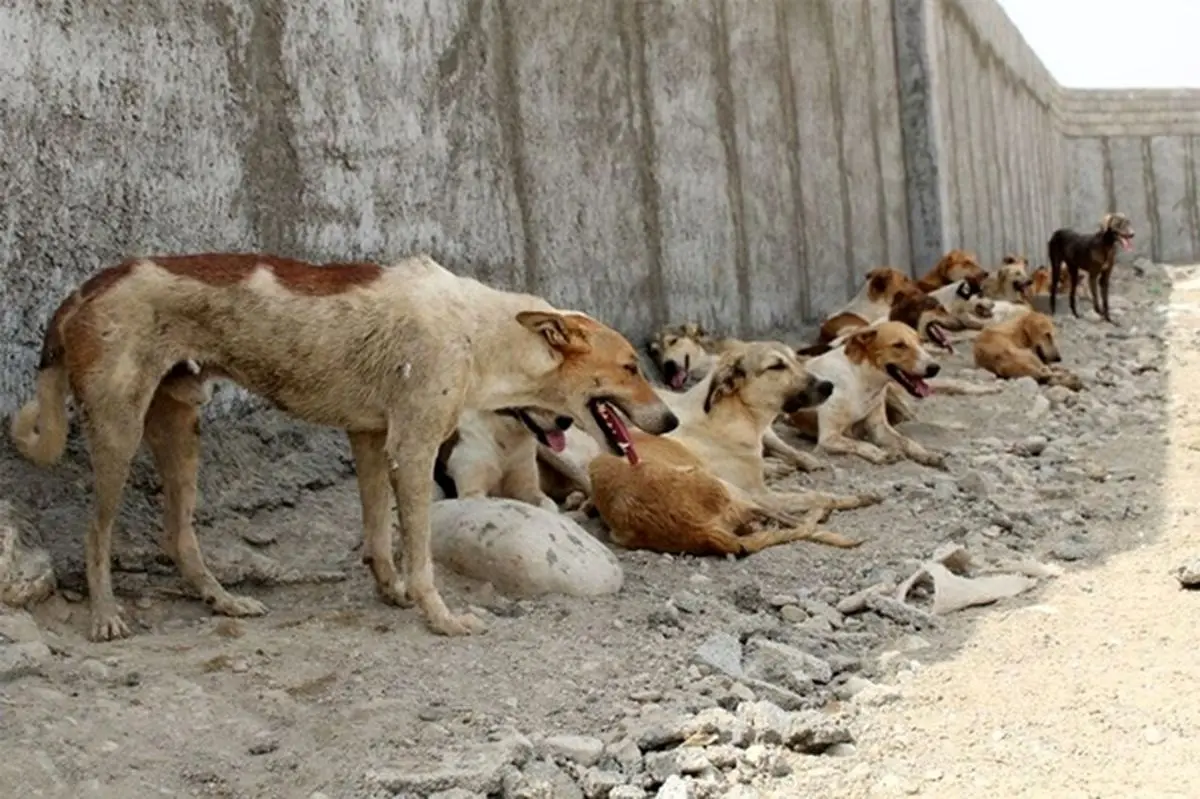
(1094, 253)
(701, 488)
(1024, 346)
(393, 355)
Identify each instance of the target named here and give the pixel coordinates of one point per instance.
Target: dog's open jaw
(553, 437)
(1126, 241)
(937, 334)
(679, 377)
(614, 428)
(913, 384)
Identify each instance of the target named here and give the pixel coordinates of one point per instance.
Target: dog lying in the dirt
(861, 370)
(965, 301)
(954, 266)
(494, 454)
(1093, 253)
(1024, 346)
(1010, 282)
(701, 489)
(393, 355)
(872, 302)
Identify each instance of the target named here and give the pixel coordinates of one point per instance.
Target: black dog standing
(1094, 253)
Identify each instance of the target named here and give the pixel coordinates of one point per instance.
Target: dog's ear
(1009, 260)
(654, 347)
(726, 380)
(860, 343)
(558, 330)
(1106, 221)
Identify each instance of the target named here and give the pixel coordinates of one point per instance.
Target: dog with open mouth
(861, 370)
(1093, 253)
(494, 454)
(1010, 282)
(686, 352)
(1025, 346)
(701, 489)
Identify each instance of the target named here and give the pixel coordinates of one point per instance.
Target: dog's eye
(899, 345)
(632, 368)
(670, 342)
(778, 365)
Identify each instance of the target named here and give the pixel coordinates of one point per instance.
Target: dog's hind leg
(807, 530)
(1073, 274)
(804, 501)
(113, 426)
(173, 437)
(374, 492)
(1094, 289)
(774, 445)
(950, 386)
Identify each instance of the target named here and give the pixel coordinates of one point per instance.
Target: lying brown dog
(954, 266)
(1024, 347)
(873, 301)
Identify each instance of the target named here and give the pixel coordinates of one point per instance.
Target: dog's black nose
(670, 422)
(932, 370)
(563, 422)
(824, 389)
(669, 368)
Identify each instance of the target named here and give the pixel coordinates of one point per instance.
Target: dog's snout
(932, 370)
(669, 368)
(563, 422)
(670, 422)
(824, 389)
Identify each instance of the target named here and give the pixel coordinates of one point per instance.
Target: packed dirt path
(1090, 692)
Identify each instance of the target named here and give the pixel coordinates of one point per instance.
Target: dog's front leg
(1104, 279)
(890, 438)
(523, 482)
(1094, 289)
(839, 444)
(411, 471)
(774, 445)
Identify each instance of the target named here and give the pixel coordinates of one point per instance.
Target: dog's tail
(39, 428)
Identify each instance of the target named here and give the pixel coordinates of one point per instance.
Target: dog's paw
(234, 605)
(107, 624)
(935, 460)
(395, 593)
(575, 501)
(456, 626)
(807, 463)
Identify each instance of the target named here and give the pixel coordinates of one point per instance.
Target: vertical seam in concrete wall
(1152, 199)
(955, 176)
(999, 162)
(1189, 178)
(631, 23)
(873, 117)
(727, 125)
(513, 131)
(839, 129)
(1110, 189)
(791, 124)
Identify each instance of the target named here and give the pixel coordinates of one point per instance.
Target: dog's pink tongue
(1125, 245)
(922, 388)
(678, 379)
(557, 440)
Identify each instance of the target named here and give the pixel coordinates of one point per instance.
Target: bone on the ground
(952, 591)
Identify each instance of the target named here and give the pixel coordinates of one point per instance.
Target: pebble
(584, 750)
(1154, 736)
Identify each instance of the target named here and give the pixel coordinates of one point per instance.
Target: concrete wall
(980, 112)
(1137, 152)
(736, 162)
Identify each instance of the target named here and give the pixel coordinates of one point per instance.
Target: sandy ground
(1080, 685)
(1088, 693)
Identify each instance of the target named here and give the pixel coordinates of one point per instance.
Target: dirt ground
(1077, 686)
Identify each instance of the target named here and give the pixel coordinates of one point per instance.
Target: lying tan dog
(701, 489)
(954, 266)
(861, 371)
(393, 355)
(686, 352)
(494, 454)
(1024, 347)
(965, 301)
(1010, 282)
(871, 303)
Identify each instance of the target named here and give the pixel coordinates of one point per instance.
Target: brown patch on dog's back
(838, 325)
(221, 270)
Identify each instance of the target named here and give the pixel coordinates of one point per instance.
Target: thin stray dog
(1024, 347)
(861, 371)
(953, 266)
(1094, 253)
(494, 454)
(701, 489)
(393, 355)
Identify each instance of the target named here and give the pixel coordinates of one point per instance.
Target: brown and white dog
(861, 371)
(393, 355)
(686, 352)
(1093, 253)
(701, 488)
(954, 266)
(872, 303)
(494, 454)
(1024, 346)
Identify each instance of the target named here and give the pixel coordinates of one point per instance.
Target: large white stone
(522, 550)
(26, 574)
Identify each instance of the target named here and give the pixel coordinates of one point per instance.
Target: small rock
(627, 792)
(1153, 736)
(841, 750)
(1189, 574)
(676, 788)
(793, 614)
(541, 780)
(722, 756)
(454, 793)
(627, 754)
(1032, 446)
(264, 744)
(598, 784)
(769, 722)
(260, 535)
(26, 659)
(687, 602)
(747, 598)
(662, 765)
(580, 749)
(722, 652)
(785, 665)
(875, 695)
(1038, 408)
(812, 732)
